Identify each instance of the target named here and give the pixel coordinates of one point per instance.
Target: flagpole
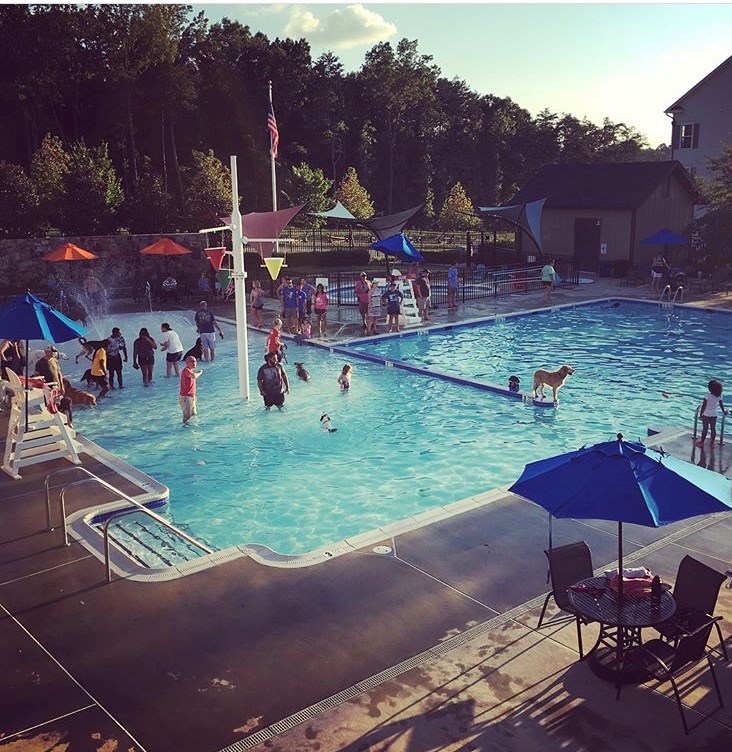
(240, 275)
(272, 165)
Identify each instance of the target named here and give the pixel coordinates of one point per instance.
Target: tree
(354, 196)
(305, 185)
(18, 202)
(92, 192)
(151, 209)
(49, 167)
(458, 212)
(714, 229)
(209, 190)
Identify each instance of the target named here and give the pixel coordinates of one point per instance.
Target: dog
(77, 396)
(88, 348)
(196, 351)
(325, 422)
(89, 379)
(301, 372)
(554, 379)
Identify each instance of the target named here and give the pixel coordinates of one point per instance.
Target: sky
(624, 61)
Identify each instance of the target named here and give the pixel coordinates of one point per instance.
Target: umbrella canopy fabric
(28, 317)
(526, 216)
(337, 212)
(624, 482)
(400, 246)
(165, 247)
(267, 225)
(391, 224)
(665, 237)
(69, 252)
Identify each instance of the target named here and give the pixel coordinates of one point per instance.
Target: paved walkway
(431, 646)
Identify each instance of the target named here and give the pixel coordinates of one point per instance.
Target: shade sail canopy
(392, 224)
(28, 317)
(526, 216)
(267, 225)
(398, 245)
(69, 252)
(337, 212)
(665, 237)
(165, 247)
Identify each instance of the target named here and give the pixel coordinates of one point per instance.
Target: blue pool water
(405, 442)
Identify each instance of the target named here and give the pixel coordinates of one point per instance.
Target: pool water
(405, 442)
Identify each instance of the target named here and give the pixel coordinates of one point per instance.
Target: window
(688, 136)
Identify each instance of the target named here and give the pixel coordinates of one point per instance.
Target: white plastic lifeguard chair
(46, 435)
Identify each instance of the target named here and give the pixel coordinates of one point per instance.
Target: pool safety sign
(274, 265)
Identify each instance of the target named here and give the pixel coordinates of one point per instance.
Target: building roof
(618, 185)
(678, 103)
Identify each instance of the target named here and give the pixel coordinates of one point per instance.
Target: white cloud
(352, 26)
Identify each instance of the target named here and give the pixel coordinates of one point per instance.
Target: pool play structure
(425, 426)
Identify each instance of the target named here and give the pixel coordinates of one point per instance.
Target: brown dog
(78, 396)
(554, 379)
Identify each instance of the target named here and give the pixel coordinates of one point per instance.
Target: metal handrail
(697, 413)
(663, 293)
(680, 290)
(139, 508)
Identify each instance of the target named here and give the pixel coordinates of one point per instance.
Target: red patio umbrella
(69, 252)
(165, 247)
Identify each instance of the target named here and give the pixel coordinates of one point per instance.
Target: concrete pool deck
(432, 646)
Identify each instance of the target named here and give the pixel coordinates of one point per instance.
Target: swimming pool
(405, 442)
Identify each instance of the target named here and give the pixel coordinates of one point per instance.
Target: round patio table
(620, 626)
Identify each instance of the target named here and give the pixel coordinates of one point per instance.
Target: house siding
(711, 107)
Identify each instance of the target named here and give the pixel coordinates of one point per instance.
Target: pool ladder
(666, 293)
(137, 507)
(696, 426)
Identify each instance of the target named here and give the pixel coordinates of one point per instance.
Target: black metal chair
(567, 565)
(695, 592)
(664, 661)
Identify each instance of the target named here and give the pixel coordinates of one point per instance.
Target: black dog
(88, 348)
(89, 379)
(301, 372)
(196, 351)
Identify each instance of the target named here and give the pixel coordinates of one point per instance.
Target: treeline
(125, 115)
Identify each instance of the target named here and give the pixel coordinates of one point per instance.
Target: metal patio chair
(567, 565)
(665, 662)
(695, 592)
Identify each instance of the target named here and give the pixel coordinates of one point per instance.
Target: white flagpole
(240, 275)
(272, 168)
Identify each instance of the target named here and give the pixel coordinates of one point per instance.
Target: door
(587, 244)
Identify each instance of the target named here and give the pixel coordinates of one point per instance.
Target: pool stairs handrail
(678, 293)
(138, 507)
(696, 426)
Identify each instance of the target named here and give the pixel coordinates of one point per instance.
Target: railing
(677, 293)
(138, 508)
(696, 425)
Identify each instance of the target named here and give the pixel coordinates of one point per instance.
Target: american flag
(274, 134)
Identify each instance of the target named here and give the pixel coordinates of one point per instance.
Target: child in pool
(344, 378)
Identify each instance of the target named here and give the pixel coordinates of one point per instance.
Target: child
(513, 383)
(392, 298)
(274, 343)
(344, 379)
(306, 328)
(708, 411)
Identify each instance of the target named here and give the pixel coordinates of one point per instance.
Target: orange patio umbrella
(165, 247)
(69, 252)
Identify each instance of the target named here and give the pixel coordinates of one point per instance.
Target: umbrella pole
(27, 355)
(620, 561)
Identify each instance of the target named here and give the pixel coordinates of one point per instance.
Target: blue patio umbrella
(623, 482)
(398, 245)
(664, 237)
(28, 317)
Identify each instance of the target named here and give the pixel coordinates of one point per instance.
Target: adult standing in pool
(207, 326)
(115, 348)
(272, 382)
(143, 355)
(173, 348)
(548, 275)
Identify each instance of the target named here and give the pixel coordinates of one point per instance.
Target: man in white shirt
(173, 348)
